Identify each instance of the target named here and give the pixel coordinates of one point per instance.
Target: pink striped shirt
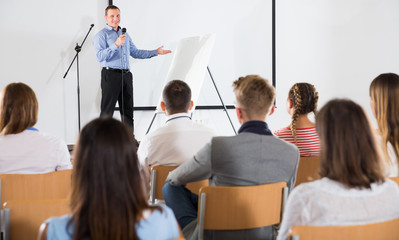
(307, 140)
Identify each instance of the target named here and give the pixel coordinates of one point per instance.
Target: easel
(220, 98)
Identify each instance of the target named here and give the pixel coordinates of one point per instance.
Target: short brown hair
(254, 94)
(18, 109)
(177, 96)
(110, 7)
(348, 151)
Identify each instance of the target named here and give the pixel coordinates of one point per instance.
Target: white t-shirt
(32, 152)
(391, 164)
(329, 203)
(172, 144)
(393, 168)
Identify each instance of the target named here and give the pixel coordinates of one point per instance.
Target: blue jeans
(183, 203)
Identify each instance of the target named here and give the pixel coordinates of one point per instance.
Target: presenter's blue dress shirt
(109, 55)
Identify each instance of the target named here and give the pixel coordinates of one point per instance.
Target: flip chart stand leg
(221, 100)
(152, 121)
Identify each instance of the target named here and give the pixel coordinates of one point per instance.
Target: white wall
(37, 45)
(337, 45)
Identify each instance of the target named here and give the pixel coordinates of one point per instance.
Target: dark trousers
(183, 203)
(111, 91)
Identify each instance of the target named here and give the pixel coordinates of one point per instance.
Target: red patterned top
(307, 140)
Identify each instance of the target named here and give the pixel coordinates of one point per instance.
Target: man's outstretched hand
(162, 51)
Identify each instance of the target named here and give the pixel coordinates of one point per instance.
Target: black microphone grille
(123, 30)
(92, 25)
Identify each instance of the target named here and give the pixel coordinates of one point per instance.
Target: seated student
(302, 99)
(353, 189)
(108, 201)
(180, 138)
(384, 101)
(252, 157)
(23, 149)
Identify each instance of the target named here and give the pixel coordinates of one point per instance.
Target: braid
(304, 97)
(297, 105)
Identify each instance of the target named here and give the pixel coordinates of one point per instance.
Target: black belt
(117, 70)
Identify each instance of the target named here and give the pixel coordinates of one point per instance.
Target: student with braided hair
(302, 99)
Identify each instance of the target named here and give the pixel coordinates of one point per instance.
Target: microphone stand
(78, 48)
(123, 105)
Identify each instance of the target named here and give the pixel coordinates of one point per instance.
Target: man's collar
(177, 116)
(111, 28)
(258, 127)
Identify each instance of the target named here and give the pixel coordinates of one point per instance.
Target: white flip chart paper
(189, 63)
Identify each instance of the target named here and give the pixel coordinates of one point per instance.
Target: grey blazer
(245, 159)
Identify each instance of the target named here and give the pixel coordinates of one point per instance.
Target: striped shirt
(307, 140)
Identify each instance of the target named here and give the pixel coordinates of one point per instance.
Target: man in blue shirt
(112, 49)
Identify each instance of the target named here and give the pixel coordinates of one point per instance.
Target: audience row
(111, 176)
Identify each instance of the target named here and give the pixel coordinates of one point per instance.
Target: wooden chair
(158, 177)
(385, 230)
(308, 170)
(241, 207)
(53, 185)
(24, 217)
(395, 179)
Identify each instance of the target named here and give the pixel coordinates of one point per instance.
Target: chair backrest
(53, 185)
(24, 217)
(395, 179)
(241, 207)
(308, 170)
(388, 230)
(158, 177)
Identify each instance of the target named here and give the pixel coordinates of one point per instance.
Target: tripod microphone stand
(78, 48)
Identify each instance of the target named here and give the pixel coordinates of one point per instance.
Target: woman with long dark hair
(108, 201)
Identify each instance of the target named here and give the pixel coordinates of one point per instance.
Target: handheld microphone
(123, 31)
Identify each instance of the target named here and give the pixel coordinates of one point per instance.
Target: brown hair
(254, 94)
(18, 109)
(177, 96)
(348, 151)
(110, 7)
(107, 193)
(304, 97)
(384, 92)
